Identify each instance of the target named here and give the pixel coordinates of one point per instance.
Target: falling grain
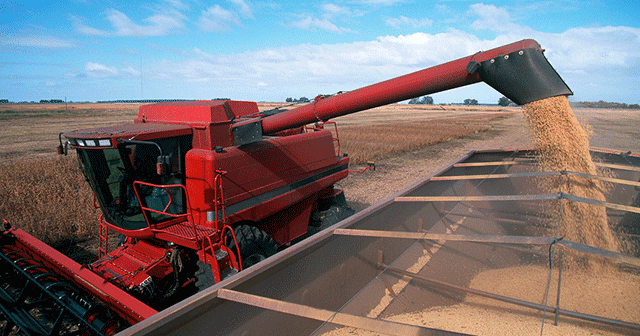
(563, 144)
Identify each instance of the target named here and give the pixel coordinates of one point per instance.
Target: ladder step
(221, 254)
(227, 272)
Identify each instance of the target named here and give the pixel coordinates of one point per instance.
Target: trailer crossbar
(560, 195)
(541, 197)
(524, 240)
(510, 163)
(533, 174)
(348, 320)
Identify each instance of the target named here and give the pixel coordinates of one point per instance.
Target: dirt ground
(395, 173)
(612, 129)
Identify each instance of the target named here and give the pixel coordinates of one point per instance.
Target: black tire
(204, 276)
(255, 244)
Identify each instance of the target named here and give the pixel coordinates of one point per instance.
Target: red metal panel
(253, 170)
(196, 112)
(132, 263)
(139, 131)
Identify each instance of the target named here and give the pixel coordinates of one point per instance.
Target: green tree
(423, 100)
(427, 100)
(504, 101)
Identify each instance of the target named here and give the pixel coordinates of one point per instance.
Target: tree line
(604, 104)
(503, 101)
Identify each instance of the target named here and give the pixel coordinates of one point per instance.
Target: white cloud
(82, 28)
(100, 70)
(593, 49)
(305, 70)
(161, 24)
(38, 41)
(243, 8)
(376, 2)
(218, 19)
(405, 21)
(75, 74)
(308, 22)
(177, 4)
(131, 71)
(492, 18)
(311, 69)
(335, 10)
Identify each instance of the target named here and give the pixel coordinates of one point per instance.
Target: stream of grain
(563, 144)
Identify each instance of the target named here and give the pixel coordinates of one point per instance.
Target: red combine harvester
(200, 190)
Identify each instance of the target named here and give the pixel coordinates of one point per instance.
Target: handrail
(218, 195)
(320, 126)
(103, 237)
(164, 212)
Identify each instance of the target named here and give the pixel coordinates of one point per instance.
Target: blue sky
(263, 50)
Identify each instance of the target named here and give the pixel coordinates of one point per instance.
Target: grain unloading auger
(200, 190)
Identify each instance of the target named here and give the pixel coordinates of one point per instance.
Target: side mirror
(62, 150)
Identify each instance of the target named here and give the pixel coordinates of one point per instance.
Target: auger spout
(518, 70)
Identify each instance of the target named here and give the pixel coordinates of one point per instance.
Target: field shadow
(358, 206)
(77, 251)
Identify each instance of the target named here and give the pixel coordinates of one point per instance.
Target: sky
(266, 50)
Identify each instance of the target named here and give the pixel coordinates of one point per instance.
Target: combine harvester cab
(200, 190)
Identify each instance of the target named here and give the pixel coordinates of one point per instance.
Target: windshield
(112, 171)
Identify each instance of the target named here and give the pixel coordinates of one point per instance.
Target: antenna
(141, 90)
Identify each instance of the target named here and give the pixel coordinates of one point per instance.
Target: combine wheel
(321, 220)
(255, 244)
(204, 276)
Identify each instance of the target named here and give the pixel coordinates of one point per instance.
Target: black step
(221, 254)
(227, 272)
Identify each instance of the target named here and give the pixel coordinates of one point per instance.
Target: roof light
(104, 142)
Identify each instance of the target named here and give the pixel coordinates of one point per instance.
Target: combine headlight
(90, 142)
(80, 142)
(104, 142)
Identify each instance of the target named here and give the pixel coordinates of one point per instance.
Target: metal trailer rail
(418, 250)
